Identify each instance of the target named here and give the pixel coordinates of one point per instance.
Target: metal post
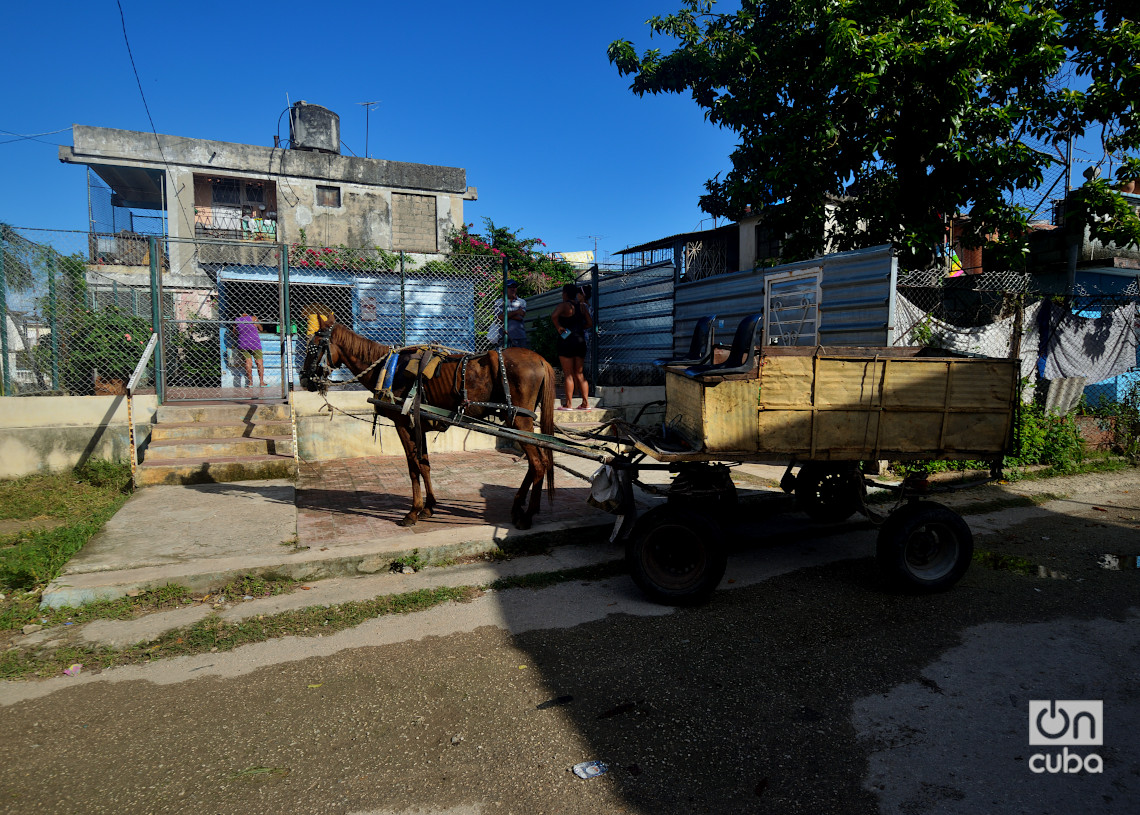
(156, 322)
(284, 323)
(53, 322)
(1069, 165)
(6, 381)
(403, 303)
(506, 305)
(594, 331)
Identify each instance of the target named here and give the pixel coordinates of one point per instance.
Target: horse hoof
(426, 512)
(522, 522)
(408, 520)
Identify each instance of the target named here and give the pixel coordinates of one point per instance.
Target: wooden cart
(823, 410)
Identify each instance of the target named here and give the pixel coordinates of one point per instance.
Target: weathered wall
(47, 433)
(364, 218)
(322, 439)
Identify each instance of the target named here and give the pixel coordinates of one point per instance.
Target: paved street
(802, 687)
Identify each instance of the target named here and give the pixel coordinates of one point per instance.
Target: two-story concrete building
(203, 188)
(222, 210)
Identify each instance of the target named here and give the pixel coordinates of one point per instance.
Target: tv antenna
(595, 239)
(367, 110)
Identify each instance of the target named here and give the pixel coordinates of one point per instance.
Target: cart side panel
(853, 383)
(916, 383)
(844, 435)
(863, 405)
(721, 414)
(786, 382)
(684, 405)
(975, 433)
(987, 387)
(784, 432)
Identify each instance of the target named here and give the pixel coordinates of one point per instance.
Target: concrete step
(218, 430)
(594, 415)
(235, 413)
(213, 470)
(560, 396)
(226, 447)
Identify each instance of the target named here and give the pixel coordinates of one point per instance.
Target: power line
(157, 141)
(31, 136)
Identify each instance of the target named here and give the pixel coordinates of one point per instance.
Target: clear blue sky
(520, 94)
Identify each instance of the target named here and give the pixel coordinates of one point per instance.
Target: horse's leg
(537, 462)
(536, 469)
(425, 474)
(411, 454)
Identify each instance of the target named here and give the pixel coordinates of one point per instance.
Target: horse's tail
(547, 426)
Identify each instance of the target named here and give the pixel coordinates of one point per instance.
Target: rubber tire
(905, 539)
(675, 556)
(829, 494)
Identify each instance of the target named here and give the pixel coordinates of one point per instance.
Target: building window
(328, 196)
(235, 208)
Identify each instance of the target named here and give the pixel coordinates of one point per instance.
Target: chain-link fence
(70, 327)
(78, 309)
(1080, 343)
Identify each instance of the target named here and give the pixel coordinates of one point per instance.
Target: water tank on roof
(312, 127)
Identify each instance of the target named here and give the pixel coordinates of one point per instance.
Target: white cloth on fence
(1096, 348)
(990, 340)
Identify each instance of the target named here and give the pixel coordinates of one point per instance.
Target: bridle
(318, 343)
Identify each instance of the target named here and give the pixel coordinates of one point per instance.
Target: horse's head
(322, 357)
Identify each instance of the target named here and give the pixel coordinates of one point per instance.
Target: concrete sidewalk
(339, 520)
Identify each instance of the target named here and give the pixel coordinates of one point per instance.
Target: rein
(459, 386)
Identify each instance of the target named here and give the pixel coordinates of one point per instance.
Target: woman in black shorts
(571, 321)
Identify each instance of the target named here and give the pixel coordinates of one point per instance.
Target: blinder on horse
(317, 367)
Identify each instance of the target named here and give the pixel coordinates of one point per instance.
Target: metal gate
(223, 331)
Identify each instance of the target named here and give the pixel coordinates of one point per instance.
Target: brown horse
(531, 382)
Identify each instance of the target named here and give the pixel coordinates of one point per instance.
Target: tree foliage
(900, 113)
(526, 262)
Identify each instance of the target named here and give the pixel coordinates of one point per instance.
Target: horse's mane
(352, 344)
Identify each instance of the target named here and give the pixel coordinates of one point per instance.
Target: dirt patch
(14, 526)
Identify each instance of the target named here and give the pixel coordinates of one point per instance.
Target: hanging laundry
(1096, 348)
(988, 340)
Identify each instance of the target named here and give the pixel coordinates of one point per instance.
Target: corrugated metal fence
(855, 306)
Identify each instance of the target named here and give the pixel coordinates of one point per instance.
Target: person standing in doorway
(516, 314)
(571, 320)
(249, 344)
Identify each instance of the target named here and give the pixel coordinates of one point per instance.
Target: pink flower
(127, 337)
(303, 263)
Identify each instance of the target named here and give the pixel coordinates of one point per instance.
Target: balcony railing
(231, 224)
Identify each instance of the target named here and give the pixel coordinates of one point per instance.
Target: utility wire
(157, 141)
(31, 136)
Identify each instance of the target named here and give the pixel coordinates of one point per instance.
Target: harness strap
(511, 410)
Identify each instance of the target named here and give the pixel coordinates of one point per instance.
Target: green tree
(917, 108)
(534, 269)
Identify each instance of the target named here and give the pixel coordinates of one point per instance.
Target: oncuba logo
(1064, 724)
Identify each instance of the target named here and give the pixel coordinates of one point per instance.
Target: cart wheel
(924, 547)
(829, 493)
(675, 556)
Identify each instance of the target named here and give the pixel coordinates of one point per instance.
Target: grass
(412, 561)
(217, 634)
(1094, 463)
(1005, 563)
(83, 499)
